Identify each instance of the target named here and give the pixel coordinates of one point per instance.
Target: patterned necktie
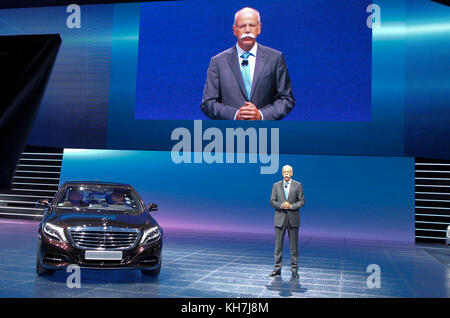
(245, 70)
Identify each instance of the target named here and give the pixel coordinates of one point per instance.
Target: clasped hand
(286, 205)
(248, 112)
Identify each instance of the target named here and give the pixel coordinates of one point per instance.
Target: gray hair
(287, 167)
(247, 9)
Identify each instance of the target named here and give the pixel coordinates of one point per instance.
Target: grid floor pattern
(211, 264)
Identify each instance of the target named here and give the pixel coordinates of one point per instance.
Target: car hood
(93, 218)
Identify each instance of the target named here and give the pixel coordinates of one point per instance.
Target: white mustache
(248, 35)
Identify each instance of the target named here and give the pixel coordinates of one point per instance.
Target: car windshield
(99, 197)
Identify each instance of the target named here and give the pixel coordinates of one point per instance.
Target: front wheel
(41, 270)
(152, 272)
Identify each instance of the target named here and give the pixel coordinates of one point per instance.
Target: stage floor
(211, 264)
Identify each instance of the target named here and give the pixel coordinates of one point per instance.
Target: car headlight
(54, 232)
(448, 231)
(150, 234)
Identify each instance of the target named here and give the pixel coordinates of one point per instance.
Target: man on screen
(248, 81)
(287, 198)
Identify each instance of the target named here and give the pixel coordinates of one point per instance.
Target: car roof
(96, 183)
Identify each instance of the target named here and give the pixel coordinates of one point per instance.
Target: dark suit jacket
(224, 91)
(296, 198)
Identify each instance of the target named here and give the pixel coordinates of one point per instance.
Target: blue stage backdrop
(346, 196)
(74, 108)
(327, 46)
(427, 79)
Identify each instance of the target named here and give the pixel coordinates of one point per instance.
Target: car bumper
(54, 255)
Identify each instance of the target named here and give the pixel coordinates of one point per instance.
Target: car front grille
(104, 238)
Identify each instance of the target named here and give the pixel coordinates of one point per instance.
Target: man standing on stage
(287, 198)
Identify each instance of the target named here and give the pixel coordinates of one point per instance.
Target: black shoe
(294, 274)
(275, 273)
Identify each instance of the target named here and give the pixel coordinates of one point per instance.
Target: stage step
(432, 199)
(36, 177)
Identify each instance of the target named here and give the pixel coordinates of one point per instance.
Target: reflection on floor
(236, 265)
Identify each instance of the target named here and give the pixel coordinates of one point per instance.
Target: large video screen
(327, 46)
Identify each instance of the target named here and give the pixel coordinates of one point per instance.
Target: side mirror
(152, 207)
(43, 203)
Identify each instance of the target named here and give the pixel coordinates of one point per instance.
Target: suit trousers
(280, 232)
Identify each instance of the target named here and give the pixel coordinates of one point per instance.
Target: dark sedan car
(98, 225)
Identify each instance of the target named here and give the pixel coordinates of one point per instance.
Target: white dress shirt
(288, 186)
